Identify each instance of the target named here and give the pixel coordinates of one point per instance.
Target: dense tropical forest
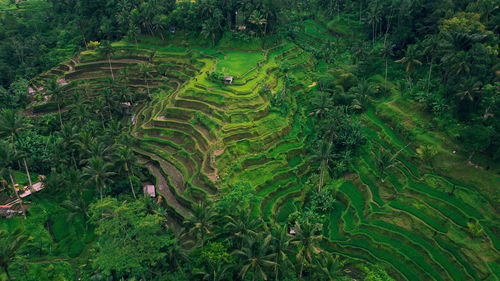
(249, 140)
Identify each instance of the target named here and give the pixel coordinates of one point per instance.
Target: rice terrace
(249, 140)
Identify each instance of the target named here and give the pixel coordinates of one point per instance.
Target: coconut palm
(200, 224)
(10, 244)
(410, 60)
(107, 50)
(469, 89)
(431, 49)
(324, 155)
(126, 159)
(386, 52)
(69, 138)
(98, 173)
(241, 226)
(385, 160)
(145, 72)
(328, 267)
(57, 94)
(322, 104)
(77, 207)
(307, 239)
(11, 125)
(282, 247)
(256, 257)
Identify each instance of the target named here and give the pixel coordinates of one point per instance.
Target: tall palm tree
(78, 207)
(282, 247)
(469, 89)
(126, 159)
(386, 53)
(98, 173)
(11, 125)
(241, 226)
(256, 257)
(132, 33)
(431, 49)
(328, 267)
(145, 71)
(324, 155)
(107, 50)
(10, 244)
(55, 90)
(322, 104)
(69, 141)
(410, 60)
(201, 222)
(374, 17)
(307, 239)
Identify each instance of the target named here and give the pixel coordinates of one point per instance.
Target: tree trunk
(429, 76)
(110, 68)
(27, 173)
(131, 185)
(59, 111)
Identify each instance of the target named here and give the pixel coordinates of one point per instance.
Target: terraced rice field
(196, 136)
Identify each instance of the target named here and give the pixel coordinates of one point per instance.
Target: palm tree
(201, 222)
(328, 267)
(69, 137)
(307, 239)
(470, 89)
(241, 226)
(374, 18)
(55, 90)
(217, 272)
(324, 155)
(11, 125)
(78, 207)
(257, 19)
(107, 50)
(132, 33)
(145, 72)
(256, 257)
(281, 246)
(384, 160)
(126, 159)
(432, 45)
(363, 91)
(322, 104)
(10, 244)
(386, 53)
(98, 173)
(410, 60)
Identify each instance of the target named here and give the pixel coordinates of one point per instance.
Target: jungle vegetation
(354, 139)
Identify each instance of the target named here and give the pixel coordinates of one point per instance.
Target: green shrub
(76, 248)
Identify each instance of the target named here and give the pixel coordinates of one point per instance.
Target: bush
(75, 249)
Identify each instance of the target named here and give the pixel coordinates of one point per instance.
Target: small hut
(228, 79)
(149, 190)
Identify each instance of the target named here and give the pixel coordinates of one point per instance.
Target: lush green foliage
(358, 139)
